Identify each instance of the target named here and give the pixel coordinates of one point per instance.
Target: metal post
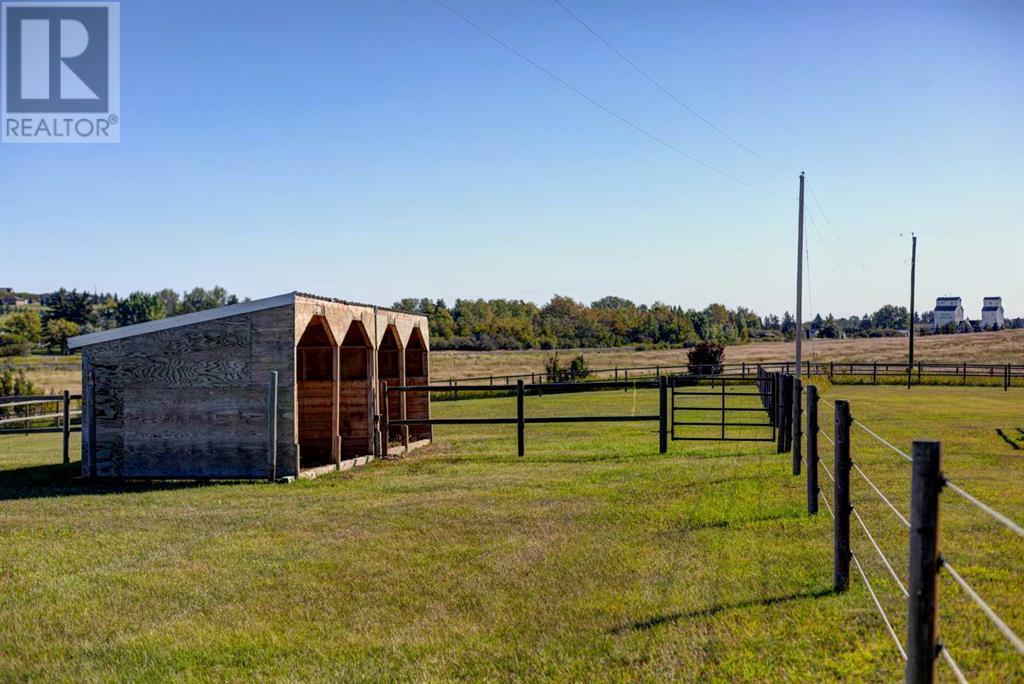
(926, 483)
(913, 268)
(662, 414)
(797, 423)
(520, 422)
(841, 498)
(272, 426)
(384, 427)
(812, 449)
(67, 426)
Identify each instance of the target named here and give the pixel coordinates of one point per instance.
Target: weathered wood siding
(190, 401)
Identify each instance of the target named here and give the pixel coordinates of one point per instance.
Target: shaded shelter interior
(356, 356)
(417, 372)
(315, 371)
(389, 368)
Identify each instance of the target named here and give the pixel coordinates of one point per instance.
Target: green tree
(171, 301)
(73, 305)
(25, 324)
(891, 317)
(139, 307)
(58, 330)
(199, 299)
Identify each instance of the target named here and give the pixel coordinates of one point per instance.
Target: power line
(832, 256)
(833, 228)
(661, 87)
(599, 105)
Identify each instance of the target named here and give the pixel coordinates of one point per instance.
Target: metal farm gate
(724, 409)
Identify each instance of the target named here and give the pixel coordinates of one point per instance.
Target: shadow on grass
(1011, 440)
(740, 523)
(42, 481)
(658, 620)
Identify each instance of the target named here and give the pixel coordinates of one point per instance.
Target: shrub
(577, 369)
(706, 358)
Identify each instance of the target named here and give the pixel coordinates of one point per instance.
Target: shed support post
(384, 427)
(272, 427)
(926, 483)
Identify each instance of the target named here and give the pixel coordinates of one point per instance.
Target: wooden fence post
(841, 498)
(1006, 378)
(384, 427)
(520, 422)
(812, 449)
(925, 485)
(780, 421)
(272, 427)
(663, 416)
(797, 423)
(67, 426)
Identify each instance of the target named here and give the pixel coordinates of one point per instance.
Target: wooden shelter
(191, 396)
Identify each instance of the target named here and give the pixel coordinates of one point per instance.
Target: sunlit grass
(593, 557)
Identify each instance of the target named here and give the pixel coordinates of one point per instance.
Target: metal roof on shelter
(211, 315)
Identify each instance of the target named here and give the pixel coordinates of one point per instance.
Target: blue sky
(372, 151)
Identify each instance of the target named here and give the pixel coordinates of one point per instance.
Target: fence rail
(19, 410)
(882, 372)
(522, 390)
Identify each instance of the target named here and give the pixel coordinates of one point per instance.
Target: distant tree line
(66, 313)
(563, 323)
(471, 324)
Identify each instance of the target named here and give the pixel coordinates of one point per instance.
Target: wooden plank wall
(191, 401)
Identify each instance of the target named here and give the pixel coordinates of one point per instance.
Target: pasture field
(57, 373)
(1004, 346)
(593, 557)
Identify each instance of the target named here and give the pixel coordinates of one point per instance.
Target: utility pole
(913, 267)
(800, 275)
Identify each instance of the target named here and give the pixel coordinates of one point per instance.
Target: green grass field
(591, 558)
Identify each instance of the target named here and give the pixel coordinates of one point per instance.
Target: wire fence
(922, 647)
